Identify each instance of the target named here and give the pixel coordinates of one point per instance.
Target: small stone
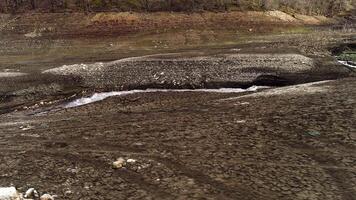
(119, 163)
(131, 160)
(31, 193)
(46, 197)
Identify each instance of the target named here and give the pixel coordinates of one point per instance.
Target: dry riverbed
(291, 138)
(296, 142)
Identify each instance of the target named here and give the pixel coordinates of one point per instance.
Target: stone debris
(119, 163)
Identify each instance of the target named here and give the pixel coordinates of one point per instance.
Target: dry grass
(126, 23)
(162, 21)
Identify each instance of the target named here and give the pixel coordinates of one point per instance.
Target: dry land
(292, 140)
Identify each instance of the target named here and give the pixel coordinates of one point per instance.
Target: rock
(131, 160)
(46, 197)
(31, 193)
(313, 133)
(119, 163)
(9, 193)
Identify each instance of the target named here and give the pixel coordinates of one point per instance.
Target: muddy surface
(284, 142)
(296, 142)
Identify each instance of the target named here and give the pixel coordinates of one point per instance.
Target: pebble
(131, 160)
(31, 193)
(119, 163)
(46, 197)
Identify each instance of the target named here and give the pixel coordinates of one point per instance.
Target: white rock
(31, 193)
(119, 163)
(131, 160)
(9, 193)
(46, 197)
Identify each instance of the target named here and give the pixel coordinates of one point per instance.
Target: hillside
(124, 23)
(310, 7)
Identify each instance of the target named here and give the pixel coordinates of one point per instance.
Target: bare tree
(33, 4)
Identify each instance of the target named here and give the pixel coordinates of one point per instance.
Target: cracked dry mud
(190, 146)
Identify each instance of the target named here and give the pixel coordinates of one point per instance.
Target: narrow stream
(347, 64)
(101, 96)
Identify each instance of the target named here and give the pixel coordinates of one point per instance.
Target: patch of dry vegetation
(122, 23)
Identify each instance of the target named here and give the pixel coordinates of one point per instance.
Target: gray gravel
(224, 70)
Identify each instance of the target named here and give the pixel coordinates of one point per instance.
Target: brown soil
(296, 144)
